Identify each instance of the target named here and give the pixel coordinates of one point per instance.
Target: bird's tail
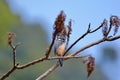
(61, 62)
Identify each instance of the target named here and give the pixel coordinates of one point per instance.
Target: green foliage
(7, 21)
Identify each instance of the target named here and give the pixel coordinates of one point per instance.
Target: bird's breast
(60, 50)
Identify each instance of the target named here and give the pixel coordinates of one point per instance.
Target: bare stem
(8, 73)
(32, 63)
(67, 57)
(50, 47)
(95, 43)
(77, 40)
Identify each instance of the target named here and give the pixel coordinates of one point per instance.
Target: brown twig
(14, 67)
(96, 29)
(8, 73)
(32, 63)
(49, 58)
(14, 52)
(50, 47)
(77, 40)
(14, 62)
(95, 43)
(81, 37)
(67, 57)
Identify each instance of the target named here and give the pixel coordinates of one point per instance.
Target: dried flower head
(11, 35)
(90, 61)
(105, 28)
(90, 65)
(115, 21)
(69, 28)
(59, 25)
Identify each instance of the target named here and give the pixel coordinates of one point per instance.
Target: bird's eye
(63, 39)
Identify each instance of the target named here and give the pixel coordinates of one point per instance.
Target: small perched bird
(59, 48)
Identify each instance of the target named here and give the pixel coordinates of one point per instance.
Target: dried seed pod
(105, 28)
(69, 28)
(59, 25)
(90, 65)
(117, 24)
(115, 21)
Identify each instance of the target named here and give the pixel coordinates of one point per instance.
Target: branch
(49, 58)
(67, 57)
(78, 40)
(14, 61)
(14, 52)
(50, 47)
(8, 73)
(95, 43)
(112, 38)
(96, 28)
(81, 37)
(32, 63)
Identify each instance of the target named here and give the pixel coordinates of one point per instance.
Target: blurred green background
(34, 41)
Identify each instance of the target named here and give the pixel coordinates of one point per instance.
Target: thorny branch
(61, 30)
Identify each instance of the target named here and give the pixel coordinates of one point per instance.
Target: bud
(10, 37)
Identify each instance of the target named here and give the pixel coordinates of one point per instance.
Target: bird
(59, 48)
